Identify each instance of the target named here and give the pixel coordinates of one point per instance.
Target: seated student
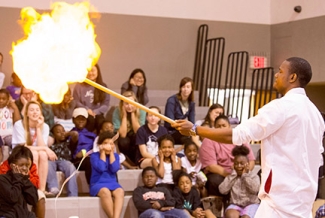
(214, 111)
(9, 114)
(107, 126)
(146, 139)
(166, 161)
(105, 165)
(85, 141)
(15, 87)
(16, 189)
(181, 106)
(320, 213)
(94, 100)
(216, 159)
(61, 149)
(137, 84)
(127, 119)
(28, 95)
(242, 185)
(191, 164)
(187, 196)
(33, 133)
(39, 208)
(153, 201)
(63, 111)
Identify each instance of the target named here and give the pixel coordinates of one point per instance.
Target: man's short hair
(302, 68)
(150, 168)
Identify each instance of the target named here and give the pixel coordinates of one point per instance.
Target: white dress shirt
(291, 130)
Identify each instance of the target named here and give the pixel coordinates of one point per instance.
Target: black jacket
(189, 201)
(16, 191)
(143, 195)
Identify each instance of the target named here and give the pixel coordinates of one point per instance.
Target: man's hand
(183, 126)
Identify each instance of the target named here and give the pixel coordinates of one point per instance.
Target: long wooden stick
(123, 98)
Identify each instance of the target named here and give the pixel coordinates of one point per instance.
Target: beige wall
(163, 47)
(306, 39)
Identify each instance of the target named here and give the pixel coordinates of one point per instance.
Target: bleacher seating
(86, 206)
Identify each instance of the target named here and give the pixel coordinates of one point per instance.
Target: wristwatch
(193, 130)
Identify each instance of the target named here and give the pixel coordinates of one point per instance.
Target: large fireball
(57, 49)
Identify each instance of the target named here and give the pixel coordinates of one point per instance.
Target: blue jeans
(173, 213)
(67, 168)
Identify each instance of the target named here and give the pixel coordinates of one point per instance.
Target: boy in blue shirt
(85, 141)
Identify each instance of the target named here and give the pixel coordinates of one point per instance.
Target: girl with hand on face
(94, 100)
(181, 106)
(127, 119)
(243, 186)
(166, 162)
(103, 182)
(16, 188)
(33, 133)
(137, 84)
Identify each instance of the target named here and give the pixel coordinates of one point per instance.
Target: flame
(57, 49)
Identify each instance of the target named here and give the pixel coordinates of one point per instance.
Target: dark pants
(179, 138)
(128, 147)
(85, 166)
(212, 185)
(94, 123)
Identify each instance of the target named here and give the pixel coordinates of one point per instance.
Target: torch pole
(123, 98)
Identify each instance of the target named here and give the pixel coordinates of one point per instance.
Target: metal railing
(202, 37)
(261, 89)
(208, 63)
(235, 83)
(208, 77)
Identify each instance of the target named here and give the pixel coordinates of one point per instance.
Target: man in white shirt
(291, 130)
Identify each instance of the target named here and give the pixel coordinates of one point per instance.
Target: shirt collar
(299, 90)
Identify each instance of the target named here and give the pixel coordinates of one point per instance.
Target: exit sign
(258, 62)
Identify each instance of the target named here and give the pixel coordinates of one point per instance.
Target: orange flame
(57, 49)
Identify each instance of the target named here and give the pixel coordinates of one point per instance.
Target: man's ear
(293, 77)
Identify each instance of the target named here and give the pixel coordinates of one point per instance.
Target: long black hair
(99, 96)
(142, 90)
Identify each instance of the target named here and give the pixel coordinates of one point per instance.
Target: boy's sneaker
(53, 192)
